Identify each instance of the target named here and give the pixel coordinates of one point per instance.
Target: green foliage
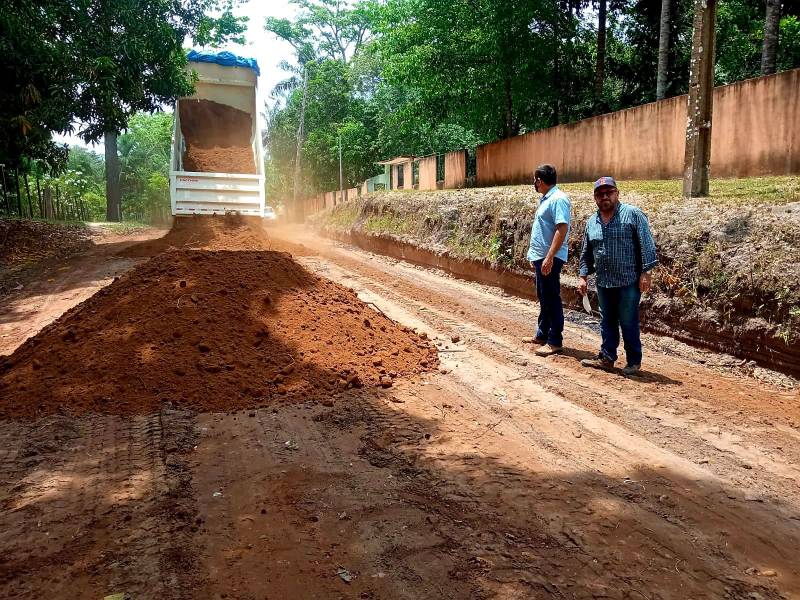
(424, 76)
(95, 63)
(144, 151)
(789, 43)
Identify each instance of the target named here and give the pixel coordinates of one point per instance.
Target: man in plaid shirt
(619, 248)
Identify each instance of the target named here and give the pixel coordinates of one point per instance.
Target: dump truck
(217, 157)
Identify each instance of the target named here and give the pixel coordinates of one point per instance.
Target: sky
(263, 46)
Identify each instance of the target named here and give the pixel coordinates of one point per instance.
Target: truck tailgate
(216, 193)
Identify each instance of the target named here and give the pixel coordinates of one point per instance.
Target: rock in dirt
(344, 575)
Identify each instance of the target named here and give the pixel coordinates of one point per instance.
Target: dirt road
(498, 475)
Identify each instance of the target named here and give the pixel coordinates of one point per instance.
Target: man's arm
(586, 263)
(558, 240)
(530, 244)
(647, 247)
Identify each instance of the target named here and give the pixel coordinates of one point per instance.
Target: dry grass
(736, 253)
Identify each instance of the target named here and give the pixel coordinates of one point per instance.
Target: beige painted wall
(427, 173)
(455, 170)
(756, 131)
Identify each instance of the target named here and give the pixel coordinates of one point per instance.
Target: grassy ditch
(730, 261)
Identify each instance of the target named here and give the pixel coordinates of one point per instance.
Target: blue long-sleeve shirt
(619, 251)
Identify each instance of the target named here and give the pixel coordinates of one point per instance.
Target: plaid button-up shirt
(619, 251)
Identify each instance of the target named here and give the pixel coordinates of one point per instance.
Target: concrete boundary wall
(756, 131)
(455, 170)
(427, 173)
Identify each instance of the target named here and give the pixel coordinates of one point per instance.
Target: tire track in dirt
(102, 508)
(635, 411)
(693, 511)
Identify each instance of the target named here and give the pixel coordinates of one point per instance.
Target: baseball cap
(605, 181)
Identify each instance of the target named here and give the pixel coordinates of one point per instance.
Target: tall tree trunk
(39, 195)
(113, 200)
(296, 208)
(19, 193)
(557, 79)
(699, 110)
(5, 192)
(600, 70)
(663, 50)
(59, 209)
(772, 23)
(47, 202)
(28, 193)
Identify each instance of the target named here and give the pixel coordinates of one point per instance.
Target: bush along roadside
(729, 263)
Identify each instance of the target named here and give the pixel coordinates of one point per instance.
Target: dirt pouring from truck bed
(217, 138)
(212, 331)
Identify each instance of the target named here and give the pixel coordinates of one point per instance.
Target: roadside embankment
(729, 263)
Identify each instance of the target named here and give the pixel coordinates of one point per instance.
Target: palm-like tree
(769, 50)
(663, 50)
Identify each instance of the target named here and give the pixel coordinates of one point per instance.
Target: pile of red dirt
(208, 331)
(231, 232)
(218, 137)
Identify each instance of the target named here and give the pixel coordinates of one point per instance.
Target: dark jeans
(620, 310)
(551, 312)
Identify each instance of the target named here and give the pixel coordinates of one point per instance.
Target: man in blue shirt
(547, 254)
(618, 246)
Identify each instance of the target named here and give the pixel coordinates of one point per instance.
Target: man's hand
(583, 286)
(645, 281)
(547, 265)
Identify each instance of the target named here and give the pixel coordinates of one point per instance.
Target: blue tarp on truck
(228, 59)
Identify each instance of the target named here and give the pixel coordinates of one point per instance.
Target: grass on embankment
(731, 257)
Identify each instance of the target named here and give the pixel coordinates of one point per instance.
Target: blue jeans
(620, 310)
(551, 312)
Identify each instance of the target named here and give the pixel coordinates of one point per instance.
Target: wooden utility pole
(697, 159)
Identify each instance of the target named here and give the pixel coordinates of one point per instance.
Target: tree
(771, 28)
(600, 69)
(36, 97)
(697, 159)
(136, 63)
(334, 28)
(663, 50)
(97, 62)
(325, 32)
(144, 151)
